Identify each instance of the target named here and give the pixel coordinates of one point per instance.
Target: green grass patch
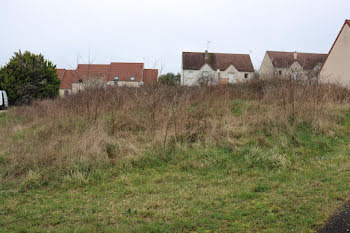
(239, 107)
(290, 182)
(3, 117)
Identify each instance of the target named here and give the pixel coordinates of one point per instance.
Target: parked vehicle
(4, 102)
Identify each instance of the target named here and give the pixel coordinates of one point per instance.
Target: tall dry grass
(101, 126)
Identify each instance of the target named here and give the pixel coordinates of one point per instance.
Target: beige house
(291, 64)
(336, 68)
(116, 73)
(215, 68)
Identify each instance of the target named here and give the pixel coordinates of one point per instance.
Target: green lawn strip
(181, 201)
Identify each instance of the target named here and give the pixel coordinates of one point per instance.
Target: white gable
(231, 69)
(337, 66)
(206, 67)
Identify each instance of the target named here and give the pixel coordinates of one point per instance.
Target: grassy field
(211, 160)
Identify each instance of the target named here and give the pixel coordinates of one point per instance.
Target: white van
(4, 102)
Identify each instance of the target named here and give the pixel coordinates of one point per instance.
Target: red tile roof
(150, 76)
(85, 71)
(221, 61)
(60, 73)
(286, 59)
(124, 72)
(67, 79)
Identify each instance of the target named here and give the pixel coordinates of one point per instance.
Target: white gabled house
(215, 68)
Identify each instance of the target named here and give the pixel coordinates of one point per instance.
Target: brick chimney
(295, 55)
(206, 56)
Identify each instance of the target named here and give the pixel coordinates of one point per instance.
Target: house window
(80, 80)
(280, 72)
(190, 74)
(65, 92)
(245, 75)
(116, 78)
(132, 78)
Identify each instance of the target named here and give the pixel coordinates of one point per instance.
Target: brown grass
(99, 127)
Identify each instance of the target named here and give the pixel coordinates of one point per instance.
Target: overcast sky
(157, 31)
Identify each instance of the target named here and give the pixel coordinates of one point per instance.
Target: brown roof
(92, 71)
(221, 61)
(60, 73)
(124, 72)
(67, 79)
(347, 21)
(286, 59)
(150, 75)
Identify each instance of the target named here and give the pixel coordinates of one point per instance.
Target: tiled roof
(67, 79)
(286, 59)
(85, 71)
(60, 73)
(124, 72)
(150, 76)
(221, 61)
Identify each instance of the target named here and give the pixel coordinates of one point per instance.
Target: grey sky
(159, 30)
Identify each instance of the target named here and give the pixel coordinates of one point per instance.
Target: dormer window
(132, 78)
(116, 78)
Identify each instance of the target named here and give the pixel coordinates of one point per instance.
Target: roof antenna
(208, 44)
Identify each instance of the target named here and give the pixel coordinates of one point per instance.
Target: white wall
(267, 69)
(187, 80)
(76, 87)
(63, 90)
(125, 83)
(192, 77)
(238, 76)
(337, 66)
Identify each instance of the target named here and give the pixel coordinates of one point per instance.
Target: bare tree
(208, 79)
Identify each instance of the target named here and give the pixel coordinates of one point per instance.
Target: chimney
(295, 55)
(206, 57)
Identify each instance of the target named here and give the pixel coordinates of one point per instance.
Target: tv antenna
(208, 44)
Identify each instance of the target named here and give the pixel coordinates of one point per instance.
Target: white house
(215, 68)
(336, 68)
